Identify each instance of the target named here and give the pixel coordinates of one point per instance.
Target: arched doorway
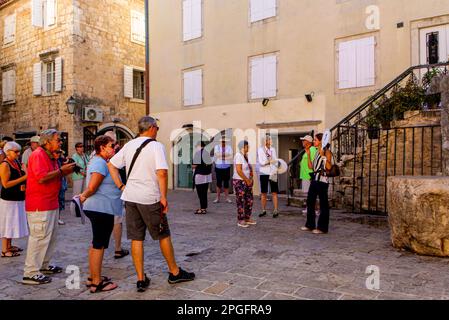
(123, 133)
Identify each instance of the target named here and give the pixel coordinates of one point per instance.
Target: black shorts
(139, 217)
(264, 179)
(102, 226)
(223, 176)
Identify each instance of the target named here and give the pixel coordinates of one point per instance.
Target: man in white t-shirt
(145, 196)
(266, 159)
(223, 160)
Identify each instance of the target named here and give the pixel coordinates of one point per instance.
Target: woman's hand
(249, 182)
(82, 198)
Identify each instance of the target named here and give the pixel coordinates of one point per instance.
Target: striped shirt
(319, 168)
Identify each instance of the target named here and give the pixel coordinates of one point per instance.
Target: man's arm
(115, 175)
(162, 177)
(63, 171)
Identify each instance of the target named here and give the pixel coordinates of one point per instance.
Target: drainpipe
(147, 60)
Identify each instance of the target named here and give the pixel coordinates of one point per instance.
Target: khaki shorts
(139, 217)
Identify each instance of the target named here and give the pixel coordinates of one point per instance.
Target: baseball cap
(307, 138)
(35, 139)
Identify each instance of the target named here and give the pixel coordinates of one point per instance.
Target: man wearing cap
(34, 144)
(306, 164)
(223, 160)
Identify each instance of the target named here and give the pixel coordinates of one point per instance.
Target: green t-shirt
(304, 171)
(81, 161)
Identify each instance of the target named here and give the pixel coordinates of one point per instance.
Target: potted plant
(372, 123)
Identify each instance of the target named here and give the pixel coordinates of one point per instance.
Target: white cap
(307, 138)
(35, 139)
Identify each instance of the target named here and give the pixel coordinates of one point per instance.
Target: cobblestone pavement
(273, 260)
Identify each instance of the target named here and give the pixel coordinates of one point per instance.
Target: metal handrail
(385, 89)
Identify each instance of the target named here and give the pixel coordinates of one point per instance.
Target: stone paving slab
(270, 261)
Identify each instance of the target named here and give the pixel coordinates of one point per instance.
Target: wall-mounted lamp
(71, 105)
(265, 102)
(309, 96)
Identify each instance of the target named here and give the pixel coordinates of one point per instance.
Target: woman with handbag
(319, 187)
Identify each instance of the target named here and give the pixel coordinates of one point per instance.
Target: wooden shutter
(257, 80)
(37, 14)
(9, 29)
(188, 89)
(197, 27)
(197, 87)
(128, 81)
(347, 77)
(37, 79)
(187, 19)
(4, 87)
(58, 74)
(270, 76)
(12, 85)
(137, 26)
(446, 57)
(257, 10)
(269, 8)
(365, 62)
(51, 12)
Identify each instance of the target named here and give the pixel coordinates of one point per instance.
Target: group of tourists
(314, 165)
(29, 204)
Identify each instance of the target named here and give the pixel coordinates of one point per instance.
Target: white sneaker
(60, 222)
(242, 224)
(216, 201)
(228, 200)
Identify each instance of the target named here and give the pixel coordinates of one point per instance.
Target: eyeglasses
(16, 151)
(58, 140)
(157, 128)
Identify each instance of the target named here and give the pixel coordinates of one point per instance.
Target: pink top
(41, 196)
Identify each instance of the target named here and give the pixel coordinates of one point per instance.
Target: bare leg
(95, 263)
(6, 244)
(137, 254)
(169, 255)
(226, 192)
(117, 232)
(263, 198)
(275, 200)
(218, 193)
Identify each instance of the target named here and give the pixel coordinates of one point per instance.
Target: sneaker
(275, 214)
(60, 222)
(51, 270)
(242, 224)
(264, 213)
(228, 200)
(216, 201)
(36, 279)
(142, 285)
(251, 222)
(182, 276)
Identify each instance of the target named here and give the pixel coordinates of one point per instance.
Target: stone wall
(94, 40)
(419, 153)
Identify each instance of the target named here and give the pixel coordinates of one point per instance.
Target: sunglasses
(58, 140)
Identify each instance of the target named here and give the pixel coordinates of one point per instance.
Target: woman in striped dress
(319, 187)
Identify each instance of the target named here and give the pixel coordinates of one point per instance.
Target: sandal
(201, 211)
(11, 254)
(102, 287)
(103, 278)
(15, 249)
(120, 254)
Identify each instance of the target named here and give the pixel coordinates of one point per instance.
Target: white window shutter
(187, 19)
(446, 58)
(11, 85)
(4, 86)
(197, 87)
(58, 74)
(197, 27)
(37, 79)
(9, 29)
(257, 10)
(269, 8)
(188, 89)
(51, 12)
(257, 78)
(365, 62)
(141, 27)
(347, 75)
(270, 76)
(128, 82)
(137, 26)
(37, 14)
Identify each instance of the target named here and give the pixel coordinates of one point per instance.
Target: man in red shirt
(42, 206)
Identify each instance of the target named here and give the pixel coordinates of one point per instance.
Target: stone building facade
(51, 50)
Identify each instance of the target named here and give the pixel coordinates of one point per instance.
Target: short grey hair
(242, 144)
(11, 145)
(47, 135)
(146, 123)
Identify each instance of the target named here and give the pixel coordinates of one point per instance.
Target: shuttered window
(9, 33)
(9, 86)
(356, 63)
(263, 76)
(43, 13)
(134, 82)
(47, 76)
(192, 19)
(137, 26)
(262, 9)
(193, 87)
